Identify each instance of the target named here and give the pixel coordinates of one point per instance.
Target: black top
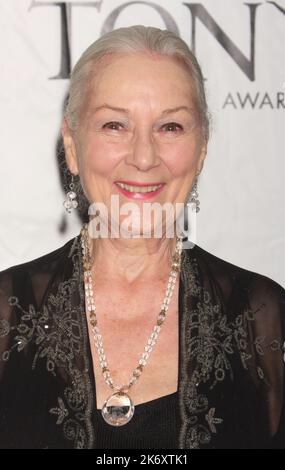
(155, 425)
(231, 384)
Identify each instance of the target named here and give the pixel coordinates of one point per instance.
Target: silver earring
(70, 202)
(193, 197)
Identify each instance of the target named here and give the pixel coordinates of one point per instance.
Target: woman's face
(138, 127)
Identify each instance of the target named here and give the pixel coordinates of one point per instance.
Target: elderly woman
(137, 341)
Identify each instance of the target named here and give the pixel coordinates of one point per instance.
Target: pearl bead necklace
(118, 409)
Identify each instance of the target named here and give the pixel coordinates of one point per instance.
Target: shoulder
(231, 278)
(42, 263)
(30, 279)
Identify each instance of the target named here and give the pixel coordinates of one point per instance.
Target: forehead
(140, 74)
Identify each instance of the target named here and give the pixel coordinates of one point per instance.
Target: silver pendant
(118, 409)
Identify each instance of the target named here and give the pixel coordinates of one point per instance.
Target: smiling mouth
(139, 189)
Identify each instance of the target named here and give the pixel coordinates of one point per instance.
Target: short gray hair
(135, 38)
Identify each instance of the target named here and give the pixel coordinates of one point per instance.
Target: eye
(173, 126)
(113, 125)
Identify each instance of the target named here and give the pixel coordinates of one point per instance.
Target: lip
(135, 183)
(140, 196)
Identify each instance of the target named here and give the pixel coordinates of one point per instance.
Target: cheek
(181, 159)
(99, 158)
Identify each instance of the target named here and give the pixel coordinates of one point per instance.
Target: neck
(130, 260)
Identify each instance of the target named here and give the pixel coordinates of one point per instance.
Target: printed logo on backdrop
(198, 13)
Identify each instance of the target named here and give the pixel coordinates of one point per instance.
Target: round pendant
(118, 409)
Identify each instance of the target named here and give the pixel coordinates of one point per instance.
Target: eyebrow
(165, 112)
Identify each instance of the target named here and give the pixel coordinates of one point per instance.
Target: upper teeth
(139, 189)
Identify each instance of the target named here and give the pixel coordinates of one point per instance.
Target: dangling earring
(193, 197)
(70, 202)
(187, 225)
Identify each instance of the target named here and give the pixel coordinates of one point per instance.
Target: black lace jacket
(231, 355)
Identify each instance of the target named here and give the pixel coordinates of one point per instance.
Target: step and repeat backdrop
(240, 46)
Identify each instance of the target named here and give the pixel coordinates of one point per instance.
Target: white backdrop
(241, 189)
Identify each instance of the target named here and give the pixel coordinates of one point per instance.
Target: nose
(143, 153)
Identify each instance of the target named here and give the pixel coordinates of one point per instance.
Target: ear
(201, 159)
(69, 147)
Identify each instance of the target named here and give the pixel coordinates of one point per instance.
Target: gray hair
(134, 39)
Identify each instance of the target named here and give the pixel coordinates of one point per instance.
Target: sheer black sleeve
(266, 333)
